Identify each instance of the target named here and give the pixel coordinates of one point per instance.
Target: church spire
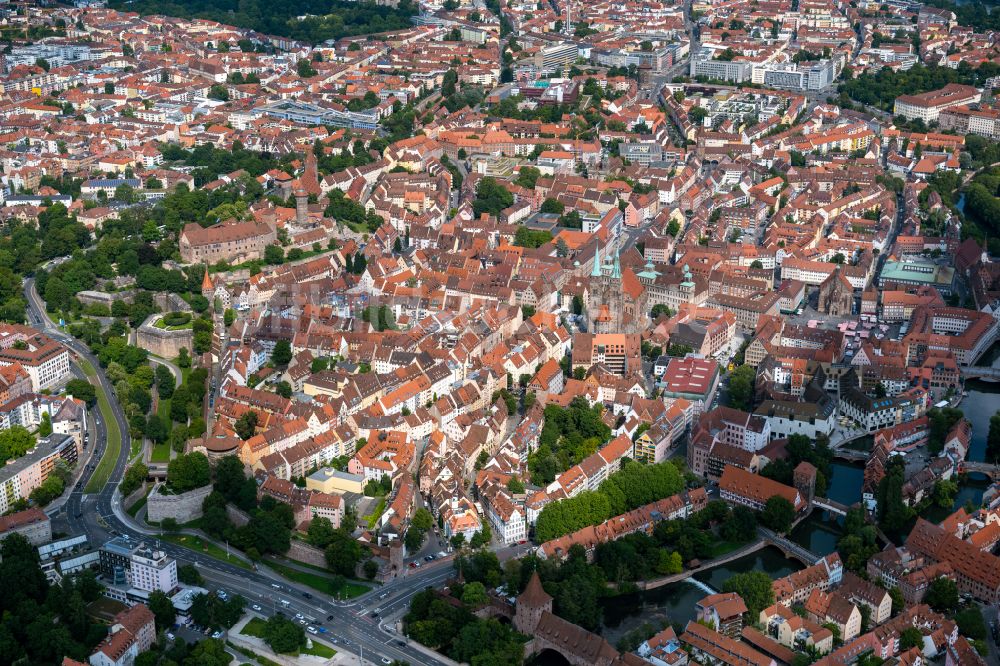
(596, 270)
(616, 272)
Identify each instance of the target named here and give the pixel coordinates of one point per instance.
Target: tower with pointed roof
(207, 288)
(531, 604)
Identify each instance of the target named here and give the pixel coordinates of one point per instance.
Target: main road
(100, 515)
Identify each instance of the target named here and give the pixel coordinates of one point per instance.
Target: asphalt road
(101, 516)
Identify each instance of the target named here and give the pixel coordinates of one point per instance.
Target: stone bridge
(985, 373)
(989, 469)
(576, 645)
(789, 547)
(533, 617)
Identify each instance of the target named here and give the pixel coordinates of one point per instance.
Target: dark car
(307, 595)
(329, 618)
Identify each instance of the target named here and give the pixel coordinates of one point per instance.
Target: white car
(312, 630)
(217, 634)
(256, 607)
(170, 636)
(299, 616)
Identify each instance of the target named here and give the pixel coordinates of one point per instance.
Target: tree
(910, 638)
(165, 383)
(898, 602)
(754, 587)
(515, 485)
(82, 390)
(474, 595)
(282, 353)
(163, 610)
(970, 623)
(246, 425)
(218, 92)
(45, 427)
(491, 197)
(422, 519)
(942, 595)
(189, 575)
(413, 539)
(525, 237)
(483, 537)
(282, 635)
(343, 553)
(134, 477)
(370, 568)
(157, 429)
(670, 563)
(778, 514)
(211, 612)
(320, 532)
(892, 511)
(741, 387)
(15, 442)
(993, 439)
(274, 254)
(527, 177)
(448, 83)
(305, 69)
(208, 652)
(552, 206)
(189, 471)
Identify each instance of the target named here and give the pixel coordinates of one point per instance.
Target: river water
(982, 402)
(675, 602)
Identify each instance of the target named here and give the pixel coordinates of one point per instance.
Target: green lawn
(320, 650)
(320, 583)
(721, 547)
(255, 628)
(376, 514)
(114, 445)
(160, 453)
(137, 507)
(205, 547)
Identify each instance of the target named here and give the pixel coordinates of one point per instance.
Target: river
(675, 602)
(982, 402)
